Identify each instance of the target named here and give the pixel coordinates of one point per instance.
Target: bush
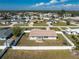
(68, 22)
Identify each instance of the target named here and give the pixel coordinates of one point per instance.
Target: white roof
(73, 30)
(77, 18)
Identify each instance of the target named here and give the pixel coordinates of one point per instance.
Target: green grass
(61, 24)
(54, 28)
(30, 28)
(25, 24)
(74, 27)
(70, 37)
(40, 24)
(48, 54)
(64, 28)
(26, 42)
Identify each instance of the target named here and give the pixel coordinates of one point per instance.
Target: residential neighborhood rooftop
(4, 33)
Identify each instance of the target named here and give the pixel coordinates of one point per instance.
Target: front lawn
(48, 54)
(24, 41)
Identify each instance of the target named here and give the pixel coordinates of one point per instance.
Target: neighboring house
(55, 15)
(38, 34)
(9, 21)
(5, 34)
(67, 15)
(71, 31)
(72, 19)
(45, 16)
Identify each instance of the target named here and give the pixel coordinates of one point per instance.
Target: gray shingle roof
(4, 33)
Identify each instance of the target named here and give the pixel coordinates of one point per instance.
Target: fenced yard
(60, 41)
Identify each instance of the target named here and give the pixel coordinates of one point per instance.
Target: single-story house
(5, 34)
(72, 19)
(38, 34)
(71, 31)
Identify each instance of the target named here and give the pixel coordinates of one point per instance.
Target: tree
(68, 22)
(61, 12)
(16, 31)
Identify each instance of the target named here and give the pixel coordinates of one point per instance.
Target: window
(45, 36)
(39, 37)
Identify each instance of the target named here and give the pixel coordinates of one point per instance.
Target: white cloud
(53, 1)
(71, 5)
(67, 5)
(42, 3)
(49, 3)
(39, 4)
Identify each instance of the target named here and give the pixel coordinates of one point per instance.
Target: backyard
(52, 54)
(24, 41)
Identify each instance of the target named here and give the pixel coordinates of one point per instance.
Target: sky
(39, 4)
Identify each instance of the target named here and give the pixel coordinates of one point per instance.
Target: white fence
(59, 32)
(2, 47)
(46, 47)
(27, 31)
(42, 47)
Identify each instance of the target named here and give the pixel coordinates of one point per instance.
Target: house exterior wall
(42, 38)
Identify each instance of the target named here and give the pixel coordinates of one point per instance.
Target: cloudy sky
(39, 4)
